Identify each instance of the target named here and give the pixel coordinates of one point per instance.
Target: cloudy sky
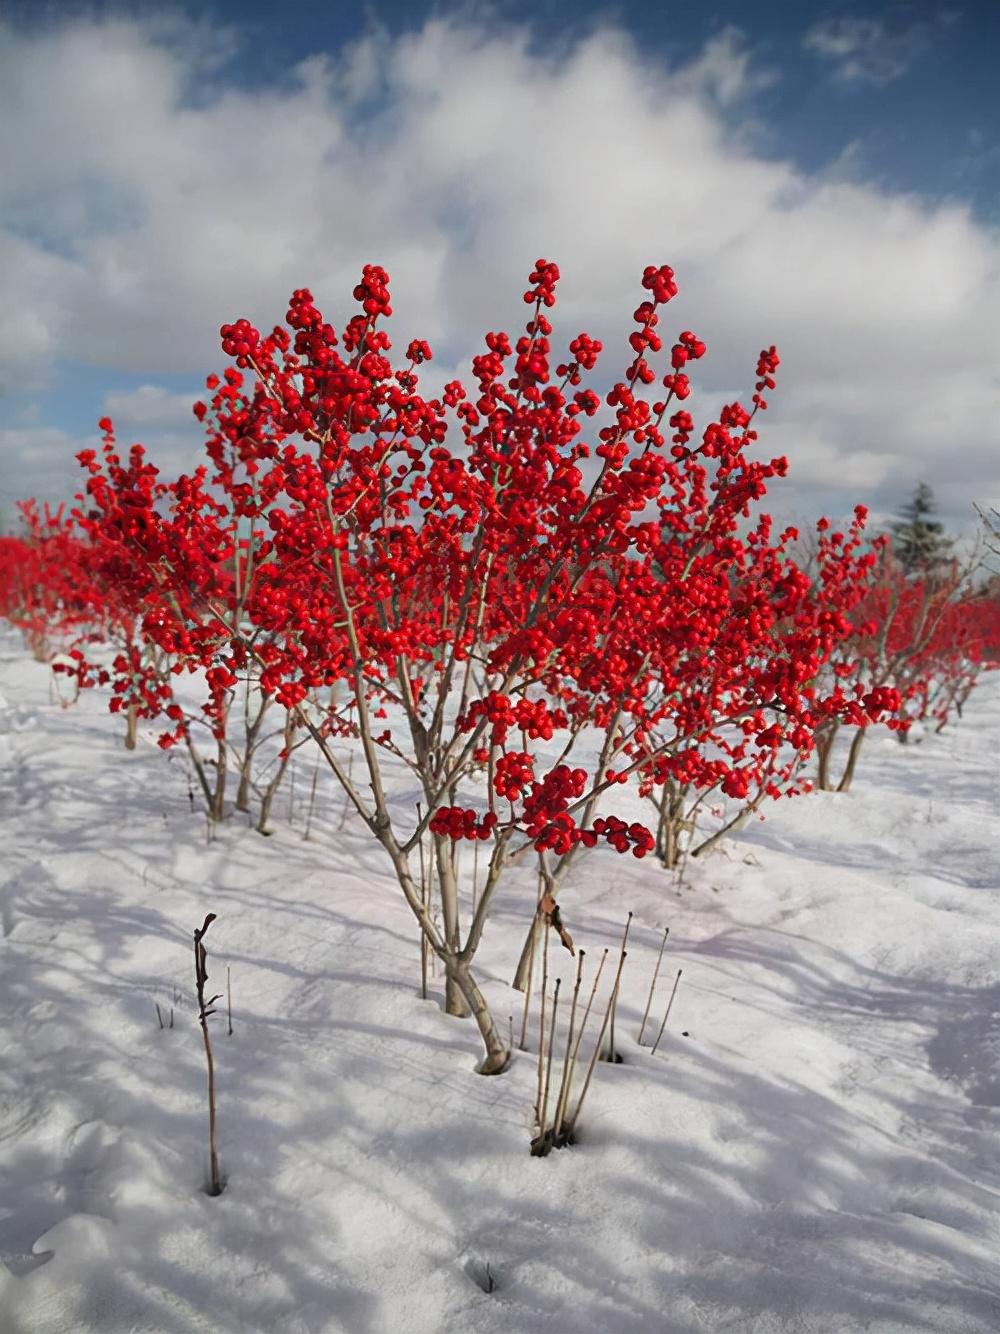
(825, 177)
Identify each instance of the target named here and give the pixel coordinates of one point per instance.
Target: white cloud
(863, 51)
(152, 405)
(139, 221)
(41, 460)
(20, 444)
(724, 69)
(30, 457)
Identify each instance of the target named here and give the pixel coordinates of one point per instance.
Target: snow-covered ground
(815, 1147)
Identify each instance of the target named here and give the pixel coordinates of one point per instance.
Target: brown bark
(131, 726)
(243, 791)
(497, 1051)
(455, 1000)
(275, 783)
(857, 741)
(218, 806)
(824, 748)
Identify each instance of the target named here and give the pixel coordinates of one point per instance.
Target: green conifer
(918, 539)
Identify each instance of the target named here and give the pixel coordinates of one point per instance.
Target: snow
(812, 1149)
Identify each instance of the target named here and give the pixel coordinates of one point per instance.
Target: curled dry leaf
(550, 909)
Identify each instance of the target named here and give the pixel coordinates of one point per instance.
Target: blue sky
(823, 176)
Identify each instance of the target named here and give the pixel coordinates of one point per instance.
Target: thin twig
(531, 967)
(348, 789)
(600, 1038)
(652, 985)
(312, 798)
(544, 1114)
(425, 891)
(562, 1129)
(204, 1013)
(667, 1015)
(564, 1083)
(614, 1003)
(541, 1019)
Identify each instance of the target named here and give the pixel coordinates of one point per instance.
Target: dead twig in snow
(652, 985)
(205, 1012)
(612, 1056)
(670, 1003)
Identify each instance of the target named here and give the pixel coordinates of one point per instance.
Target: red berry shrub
(916, 648)
(526, 626)
(464, 585)
(47, 588)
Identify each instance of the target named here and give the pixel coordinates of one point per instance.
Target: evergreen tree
(918, 540)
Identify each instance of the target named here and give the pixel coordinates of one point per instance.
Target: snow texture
(814, 1148)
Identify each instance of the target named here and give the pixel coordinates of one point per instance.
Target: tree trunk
(497, 1051)
(218, 807)
(265, 806)
(251, 733)
(457, 971)
(243, 791)
(663, 849)
(288, 738)
(131, 726)
(667, 843)
(523, 969)
(857, 741)
(824, 748)
(668, 829)
(455, 1001)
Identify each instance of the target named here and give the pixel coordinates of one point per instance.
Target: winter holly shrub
(917, 646)
(530, 594)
